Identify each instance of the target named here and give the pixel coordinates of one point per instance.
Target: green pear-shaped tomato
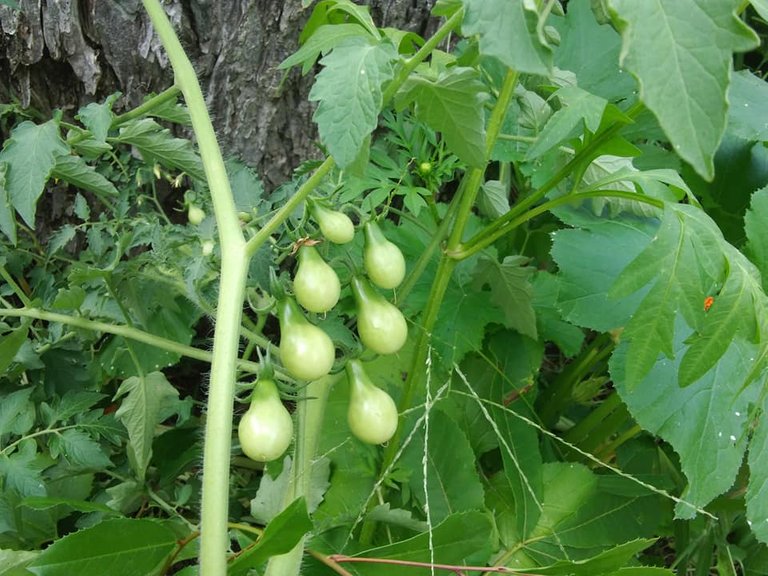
(316, 285)
(335, 226)
(383, 261)
(372, 414)
(380, 325)
(195, 214)
(266, 429)
(307, 353)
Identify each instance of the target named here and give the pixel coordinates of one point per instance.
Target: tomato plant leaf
(452, 104)
(458, 537)
(98, 117)
(550, 324)
(281, 534)
(493, 199)
(156, 144)
(74, 170)
(510, 290)
(324, 39)
(606, 563)
(145, 405)
(30, 154)
(7, 216)
(348, 90)
(680, 52)
(757, 233)
(82, 452)
(757, 489)
(578, 108)
(46, 503)
(120, 547)
(452, 481)
(748, 97)
(508, 30)
(591, 51)
(21, 471)
(17, 413)
(706, 422)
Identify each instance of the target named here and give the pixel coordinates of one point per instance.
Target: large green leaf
(452, 104)
(17, 412)
(349, 92)
(7, 216)
(142, 409)
(591, 51)
(98, 117)
(590, 259)
(452, 482)
(324, 39)
(156, 144)
(458, 537)
(748, 97)
(606, 563)
(706, 423)
(680, 51)
(508, 30)
(757, 489)
(10, 345)
(121, 547)
(30, 154)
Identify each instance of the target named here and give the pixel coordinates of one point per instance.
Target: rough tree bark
(65, 53)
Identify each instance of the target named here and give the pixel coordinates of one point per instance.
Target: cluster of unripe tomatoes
(307, 353)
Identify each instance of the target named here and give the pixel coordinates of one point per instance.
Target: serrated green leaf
(121, 547)
(550, 324)
(247, 188)
(17, 413)
(603, 564)
(680, 51)
(30, 154)
(591, 51)
(706, 423)
(157, 144)
(578, 108)
(452, 481)
(81, 451)
(10, 345)
(98, 117)
(456, 538)
(510, 288)
(324, 39)
(21, 471)
(7, 215)
(493, 199)
(61, 238)
(508, 30)
(733, 314)
(461, 324)
(589, 260)
(74, 170)
(69, 298)
(349, 92)
(281, 535)
(452, 105)
(395, 517)
(757, 232)
(142, 409)
(757, 489)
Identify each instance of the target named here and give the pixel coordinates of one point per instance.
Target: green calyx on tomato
(383, 260)
(195, 215)
(372, 414)
(380, 325)
(315, 285)
(266, 429)
(306, 352)
(335, 226)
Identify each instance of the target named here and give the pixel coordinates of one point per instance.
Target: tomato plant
(509, 369)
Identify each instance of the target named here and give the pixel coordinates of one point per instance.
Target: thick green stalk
(234, 271)
(309, 423)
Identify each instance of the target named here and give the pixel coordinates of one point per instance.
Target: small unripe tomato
(305, 350)
(335, 226)
(383, 260)
(207, 247)
(266, 429)
(380, 325)
(372, 414)
(195, 215)
(316, 284)
(425, 168)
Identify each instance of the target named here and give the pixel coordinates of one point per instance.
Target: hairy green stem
(234, 272)
(152, 103)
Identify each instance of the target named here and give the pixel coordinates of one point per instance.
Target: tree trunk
(66, 53)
